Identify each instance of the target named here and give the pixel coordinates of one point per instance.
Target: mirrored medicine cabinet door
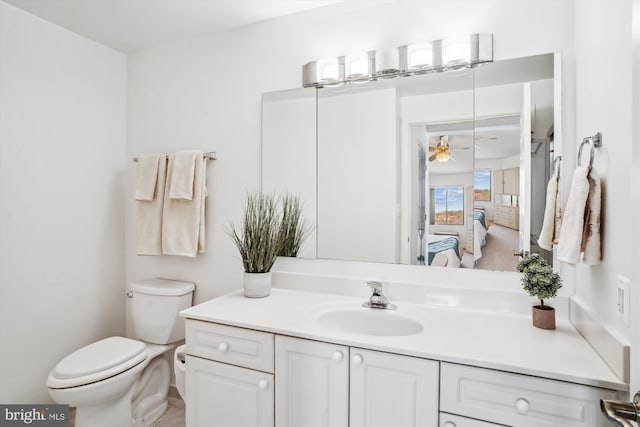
(445, 169)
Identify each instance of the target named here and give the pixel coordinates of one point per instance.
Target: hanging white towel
(570, 243)
(147, 176)
(183, 225)
(591, 231)
(552, 219)
(149, 220)
(182, 177)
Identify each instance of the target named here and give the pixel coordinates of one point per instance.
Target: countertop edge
(509, 368)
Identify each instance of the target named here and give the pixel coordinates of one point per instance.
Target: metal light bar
(407, 60)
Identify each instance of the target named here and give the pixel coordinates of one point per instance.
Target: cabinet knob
(223, 347)
(449, 424)
(356, 359)
(263, 384)
(337, 356)
(522, 406)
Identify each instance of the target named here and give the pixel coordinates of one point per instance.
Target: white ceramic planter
(257, 285)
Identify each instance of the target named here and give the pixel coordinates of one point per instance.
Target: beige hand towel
(551, 213)
(591, 230)
(147, 176)
(570, 242)
(183, 225)
(149, 240)
(181, 180)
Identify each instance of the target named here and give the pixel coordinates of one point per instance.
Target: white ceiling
(130, 25)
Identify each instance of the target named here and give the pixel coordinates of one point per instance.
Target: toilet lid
(98, 361)
(99, 356)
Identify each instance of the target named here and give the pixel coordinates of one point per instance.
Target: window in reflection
(448, 205)
(482, 185)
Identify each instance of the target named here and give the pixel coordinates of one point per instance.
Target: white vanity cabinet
(519, 400)
(295, 377)
(321, 384)
(227, 395)
(313, 383)
(448, 420)
(229, 376)
(392, 390)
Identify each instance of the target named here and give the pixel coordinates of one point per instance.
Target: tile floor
(173, 417)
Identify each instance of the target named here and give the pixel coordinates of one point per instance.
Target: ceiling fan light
(442, 156)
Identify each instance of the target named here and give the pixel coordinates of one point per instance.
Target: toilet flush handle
(130, 294)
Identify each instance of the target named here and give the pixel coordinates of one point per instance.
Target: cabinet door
(226, 395)
(312, 383)
(498, 182)
(511, 181)
(448, 420)
(389, 390)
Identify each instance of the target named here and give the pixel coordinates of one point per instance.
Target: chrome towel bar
(595, 141)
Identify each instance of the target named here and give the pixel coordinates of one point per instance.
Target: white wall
(603, 103)
(62, 148)
(206, 93)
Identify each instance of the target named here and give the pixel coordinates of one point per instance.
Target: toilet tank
(153, 309)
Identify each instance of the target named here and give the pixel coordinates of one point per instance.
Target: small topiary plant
(539, 279)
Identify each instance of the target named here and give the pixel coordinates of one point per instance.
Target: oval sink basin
(368, 321)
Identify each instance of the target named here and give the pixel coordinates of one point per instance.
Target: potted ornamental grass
(294, 228)
(540, 281)
(258, 240)
(266, 233)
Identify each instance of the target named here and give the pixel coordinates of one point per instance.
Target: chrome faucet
(377, 298)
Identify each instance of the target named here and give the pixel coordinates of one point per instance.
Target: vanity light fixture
(324, 72)
(456, 51)
(387, 62)
(407, 60)
(419, 56)
(360, 66)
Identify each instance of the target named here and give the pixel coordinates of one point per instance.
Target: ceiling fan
(442, 152)
(479, 139)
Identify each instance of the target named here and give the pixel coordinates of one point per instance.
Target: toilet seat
(103, 359)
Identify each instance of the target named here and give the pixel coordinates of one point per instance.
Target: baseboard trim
(613, 348)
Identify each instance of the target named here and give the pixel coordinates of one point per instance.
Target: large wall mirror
(445, 169)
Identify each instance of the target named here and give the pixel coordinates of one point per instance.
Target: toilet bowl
(179, 370)
(122, 381)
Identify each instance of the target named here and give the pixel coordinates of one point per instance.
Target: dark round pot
(544, 317)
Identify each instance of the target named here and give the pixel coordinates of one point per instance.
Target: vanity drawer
(228, 344)
(448, 420)
(519, 400)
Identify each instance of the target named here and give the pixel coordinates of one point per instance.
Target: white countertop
(496, 341)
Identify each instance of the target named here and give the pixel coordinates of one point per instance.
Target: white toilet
(120, 381)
